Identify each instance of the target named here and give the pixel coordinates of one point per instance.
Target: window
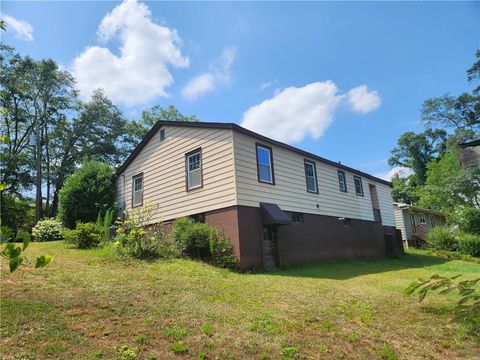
(137, 190)
(194, 169)
(432, 221)
(342, 182)
(162, 135)
(311, 176)
(265, 164)
(297, 217)
(421, 216)
(358, 185)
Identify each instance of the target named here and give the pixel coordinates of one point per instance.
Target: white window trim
(199, 153)
(314, 171)
(422, 216)
(134, 192)
(270, 167)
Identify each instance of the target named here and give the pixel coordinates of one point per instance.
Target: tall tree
(138, 129)
(405, 190)
(415, 151)
(458, 113)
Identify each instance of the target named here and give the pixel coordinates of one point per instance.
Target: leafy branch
(467, 309)
(15, 254)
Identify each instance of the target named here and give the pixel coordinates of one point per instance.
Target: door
(270, 247)
(412, 222)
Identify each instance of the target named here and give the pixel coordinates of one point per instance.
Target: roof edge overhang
(239, 129)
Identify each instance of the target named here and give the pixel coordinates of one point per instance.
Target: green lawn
(86, 304)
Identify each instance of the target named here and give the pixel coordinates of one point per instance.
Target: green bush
(48, 230)
(471, 220)
(16, 213)
(6, 234)
(134, 238)
(85, 236)
(469, 244)
(441, 238)
(88, 191)
(192, 238)
(201, 241)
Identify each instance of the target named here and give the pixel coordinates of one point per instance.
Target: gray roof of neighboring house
(238, 128)
(416, 208)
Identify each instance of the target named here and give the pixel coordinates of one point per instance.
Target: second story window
(311, 176)
(265, 164)
(342, 181)
(358, 185)
(137, 190)
(194, 169)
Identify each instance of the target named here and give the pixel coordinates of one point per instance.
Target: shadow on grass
(346, 269)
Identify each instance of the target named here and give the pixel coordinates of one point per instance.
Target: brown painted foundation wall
(317, 238)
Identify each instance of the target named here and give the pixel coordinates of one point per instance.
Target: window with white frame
(421, 217)
(432, 221)
(194, 169)
(264, 164)
(357, 180)
(311, 176)
(137, 190)
(342, 181)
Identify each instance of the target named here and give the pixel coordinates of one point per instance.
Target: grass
(87, 305)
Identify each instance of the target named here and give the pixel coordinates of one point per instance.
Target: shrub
(105, 222)
(201, 241)
(85, 236)
(192, 238)
(48, 230)
(441, 238)
(17, 214)
(471, 220)
(6, 234)
(134, 238)
(469, 244)
(89, 190)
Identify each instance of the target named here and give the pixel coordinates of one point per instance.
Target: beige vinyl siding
(290, 192)
(400, 221)
(163, 167)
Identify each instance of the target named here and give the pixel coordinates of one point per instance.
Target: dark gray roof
(238, 128)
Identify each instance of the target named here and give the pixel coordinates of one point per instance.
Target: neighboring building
(279, 205)
(415, 222)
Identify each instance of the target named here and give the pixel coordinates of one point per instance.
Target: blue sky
(343, 80)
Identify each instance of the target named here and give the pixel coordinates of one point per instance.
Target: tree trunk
(38, 179)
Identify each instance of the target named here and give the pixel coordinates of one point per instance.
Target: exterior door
(270, 247)
(412, 222)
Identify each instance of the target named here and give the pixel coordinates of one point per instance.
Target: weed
(126, 352)
(290, 352)
(388, 353)
(177, 333)
(208, 329)
(179, 348)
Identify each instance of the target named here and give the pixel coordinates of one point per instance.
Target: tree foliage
(404, 190)
(449, 187)
(87, 192)
(415, 151)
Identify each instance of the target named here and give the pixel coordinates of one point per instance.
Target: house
(277, 204)
(415, 222)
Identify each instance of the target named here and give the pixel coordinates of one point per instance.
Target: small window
(311, 176)
(421, 216)
(342, 183)
(162, 135)
(137, 190)
(432, 221)
(265, 164)
(297, 217)
(194, 169)
(358, 185)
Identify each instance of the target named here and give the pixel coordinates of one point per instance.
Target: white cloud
(267, 84)
(140, 72)
(400, 170)
(361, 100)
(219, 74)
(296, 112)
(22, 29)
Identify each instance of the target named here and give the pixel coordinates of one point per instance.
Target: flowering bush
(48, 230)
